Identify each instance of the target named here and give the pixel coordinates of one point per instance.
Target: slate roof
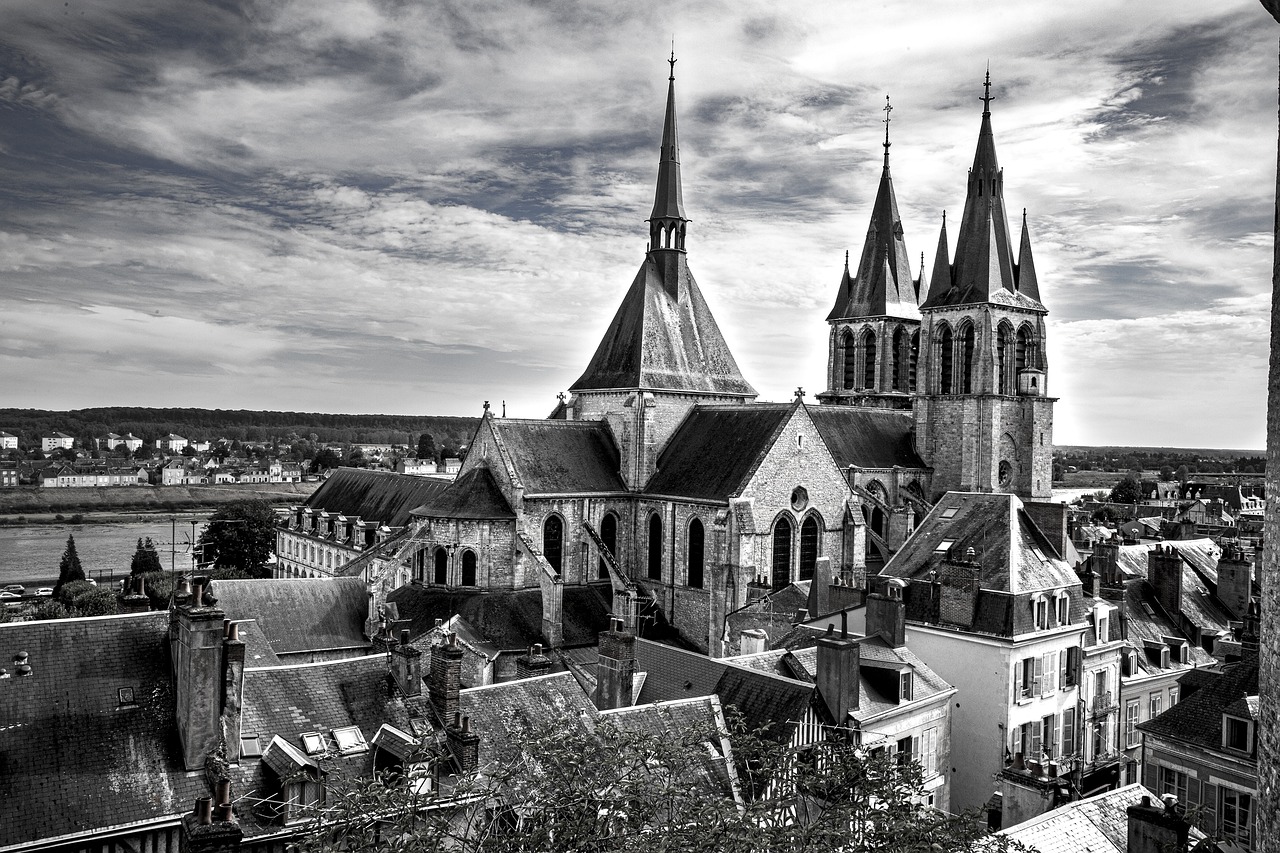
(926, 684)
(1199, 569)
(763, 698)
(1013, 554)
(715, 450)
(1097, 824)
(72, 757)
(1147, 621)
(664, 338)
(474, 495)
(774, 613)
(382, 496)
(507, 619)
(299, 614)
(559, 457)
(867, 438)
(498, 711)
(1197, 718)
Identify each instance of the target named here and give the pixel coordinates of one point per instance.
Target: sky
(412, 207)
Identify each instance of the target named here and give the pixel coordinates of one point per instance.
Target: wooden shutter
(1037, 677)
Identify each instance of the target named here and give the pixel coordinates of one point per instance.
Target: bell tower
(983, 416)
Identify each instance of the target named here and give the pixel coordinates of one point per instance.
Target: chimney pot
(404, 636)
(204, 810)
(537, 649)
(234, 633)
(466, 725)
(223, 813)
(457, 719)
(224, 791)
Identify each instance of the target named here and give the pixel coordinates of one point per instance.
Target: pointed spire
(922, 283)
(1028, 286)
(667, 221)
(940, 282)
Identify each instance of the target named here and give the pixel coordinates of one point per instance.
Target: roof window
(950, 512)
(313, 743)
(250, 745)
(350, 740)
(944, 546)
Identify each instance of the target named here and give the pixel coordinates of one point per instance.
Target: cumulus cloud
(356, 206)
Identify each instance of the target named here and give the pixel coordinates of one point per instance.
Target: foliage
(145, 559)
(69, 569)
(158, 587)
(579, 784)
(240, 535)
(1126, 491)
(1166, 474)
(50, 609)
(324, 460)
(426, 446)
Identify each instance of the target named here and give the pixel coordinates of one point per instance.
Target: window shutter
(1038, 677)
(1063, 680)
(1069, 731)
(1035, 741)
(1051, 672)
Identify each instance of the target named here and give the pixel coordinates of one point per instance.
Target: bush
(68, 592)
(50, 610)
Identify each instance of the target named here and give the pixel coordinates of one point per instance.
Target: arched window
(869, 359)
(1004, 341)
(849, 359)
(442, 566)
(1026, 351)
(655, 547)
(468, 568)
(966, 359)
(944, 360)
(608, 535)
(901, 358)
(420, 565)
(553, 541)
(915, 358)
(696, 534)
(808, 548)
(781, 552)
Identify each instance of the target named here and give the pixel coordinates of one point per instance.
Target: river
(30, 554)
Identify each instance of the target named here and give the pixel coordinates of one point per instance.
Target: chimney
(837, 672)
(533, 664)
(446, 673)
(211, 828)
(819, 603)
(1250, 633)
(615, 667)
(406, 666)
(1106, 561)
(552, 609)
(757, 589)
(1235, 580)
(1089, 581)
(464, 744)
(753, 641)
(1164, 573)
(1051, 519)
(197, 652)
(1153, 829)
(233, 649)
(887, 613)
(135, 601)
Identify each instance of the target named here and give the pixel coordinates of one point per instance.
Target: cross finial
(486, 407)
(799, 393)
(846, 260)
(672, 60)
(888, 108)
(987, 97)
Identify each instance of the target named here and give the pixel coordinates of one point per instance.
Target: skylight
(950, 512)
(313, 743)
(350, 740)
(250, 746)
(944, 546)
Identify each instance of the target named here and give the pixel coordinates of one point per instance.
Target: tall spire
(667, 221)
(1028, 286)
(888, 108)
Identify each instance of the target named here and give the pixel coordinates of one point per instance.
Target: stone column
(1268, 806)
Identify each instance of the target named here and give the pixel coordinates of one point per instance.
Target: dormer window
(1041, 606)
(904, 686)
(1062, 607)
(295, 783)
(1237, 734)
(1103, 625)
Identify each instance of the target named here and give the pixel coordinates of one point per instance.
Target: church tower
(663, 352)
(983, 417)
(875, 322)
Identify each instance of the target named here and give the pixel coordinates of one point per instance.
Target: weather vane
(888, 108)
(987, 97)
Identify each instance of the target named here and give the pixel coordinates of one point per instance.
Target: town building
(8, 441)
(1131, 819)
(56, 441)
(173, 443)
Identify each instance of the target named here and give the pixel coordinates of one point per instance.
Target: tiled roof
(73, 758)
(1147, 621)
(676, 722)
(300, 614)
(500, 711)
(381, 496)
(774, 614)
(664, 338)
(1197, 718)
(1199, 564)
(1013, 554)
(867, 438)
(559, 457)
(1097, 824)
(715, 450)
(926, 683)
(473, 495)
(508, 620)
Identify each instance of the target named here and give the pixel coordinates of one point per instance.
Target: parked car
(9, 595)
(16, 589)
(45, 591)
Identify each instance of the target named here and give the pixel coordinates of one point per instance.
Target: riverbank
(37, 505)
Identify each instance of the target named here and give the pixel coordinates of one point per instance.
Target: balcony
(1102, 704)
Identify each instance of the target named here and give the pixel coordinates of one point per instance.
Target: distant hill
(237, 424)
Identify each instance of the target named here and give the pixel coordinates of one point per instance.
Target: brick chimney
(1153, 829)
(464, 744)
(1164, 573)
(1235, 580)
(1106, 561)
(615, 667)
(533, 663)
(887, 613)
(837, 672)
(406, 666)
(446, 675)
(232, 689)
(211, 827)
(135, 600)
(197, 653)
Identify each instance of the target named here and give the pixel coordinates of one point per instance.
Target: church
(660, 479)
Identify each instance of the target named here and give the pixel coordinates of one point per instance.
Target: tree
(240, 535)
(145, 559)
(1166, 473)
(69, 569)
(1126, 491)
(324, 460)
(1183, 474)
(601, 785)
(426, 446)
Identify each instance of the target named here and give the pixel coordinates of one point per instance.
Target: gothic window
(913, 359)
(695, 553)
(442, 566)
(553, 541)
(944, 360)
(848, 361)
(781, 552)
(808, 547)
(1026, 350)
(901, 357)
(420, 565)
(869, 359)
(468, 568)
(1004, 359)
(608, 535)
(1006, 474)
(655, 547)
(966, 359)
